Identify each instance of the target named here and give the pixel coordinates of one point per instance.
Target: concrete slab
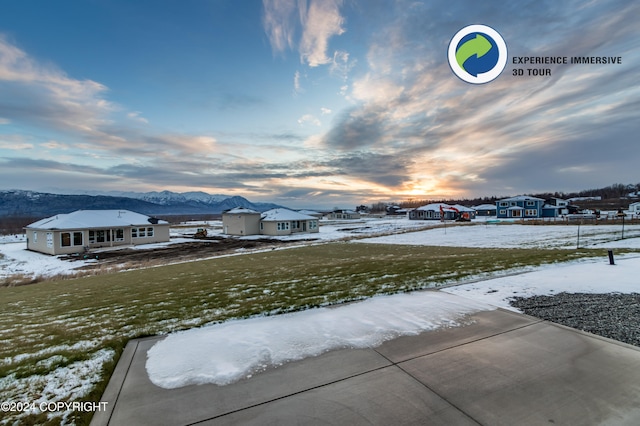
(500, 368)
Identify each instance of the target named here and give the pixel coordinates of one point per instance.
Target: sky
(313, 103)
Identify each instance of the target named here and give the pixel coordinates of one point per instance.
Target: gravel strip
(612, 315)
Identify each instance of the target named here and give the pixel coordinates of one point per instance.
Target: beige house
(286, 222)
(241, 221)
(85, 229)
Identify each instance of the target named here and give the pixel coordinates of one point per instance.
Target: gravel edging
(612, 315)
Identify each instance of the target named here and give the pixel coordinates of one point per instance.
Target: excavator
(200, 233)
(461, 217)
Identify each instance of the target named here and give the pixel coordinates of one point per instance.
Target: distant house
(344, 214)
(73, 232)
(241, 221)
(555, 207)
(522, 206)
(635, 207)
(485, 210)
(286, 222)
(313, 213)
(434, 211)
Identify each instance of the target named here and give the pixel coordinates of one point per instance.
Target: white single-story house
(343, 214)
(84, 229)
(286, 222)
(635, 207)
(241, 221)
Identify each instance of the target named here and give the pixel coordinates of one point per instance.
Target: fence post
(611, 262)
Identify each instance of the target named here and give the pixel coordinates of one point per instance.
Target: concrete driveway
(502, 369)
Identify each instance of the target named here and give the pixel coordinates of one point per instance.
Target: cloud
(4, 121)
(278, 21)
(318, 20)
(308, 118)
(297, 88)
(135, 115)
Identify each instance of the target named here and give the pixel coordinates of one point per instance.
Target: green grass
(51, 325)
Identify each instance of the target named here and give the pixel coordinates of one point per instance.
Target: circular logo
(477, 54)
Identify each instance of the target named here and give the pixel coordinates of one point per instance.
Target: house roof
(485, 207)
(86, 219)
(309, 212)
(435, 207)
(463, 208)
(284, 214)
(522, 198)
(241, 210)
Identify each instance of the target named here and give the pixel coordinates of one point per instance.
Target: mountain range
(39, 204)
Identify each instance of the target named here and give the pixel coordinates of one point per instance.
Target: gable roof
(435, 207)
(87, 219)
(485, 207)
(240, 210)
(284, 214)
(522, 198)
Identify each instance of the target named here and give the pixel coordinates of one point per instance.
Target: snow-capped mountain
(31, 203)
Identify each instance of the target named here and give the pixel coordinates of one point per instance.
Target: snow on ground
(582, 277)
(16, 260)
(227, 352)
(519, 236)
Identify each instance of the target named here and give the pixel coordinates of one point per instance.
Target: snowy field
(16, 260)
(225, 353)
(518, 236)
(237, 349)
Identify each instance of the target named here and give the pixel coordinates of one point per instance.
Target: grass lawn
(60, 340)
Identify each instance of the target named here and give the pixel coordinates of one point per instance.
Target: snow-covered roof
(516, 208)
(485, 207)
(309, 212)
(241, 210)
(463, 208)
(522, 198)
(284, 214)
(87, 219)
(435, 207)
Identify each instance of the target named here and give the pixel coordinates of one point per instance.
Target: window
(261, 226)
(49, 239)
(149, 232)
(530, 203)
(503, 204)
(134, 232)
(503, 212)
(531, 212)
(65, 239)
(141, 232)
(77, 238)
(92, 237)
(283, 226)
(101, 236)
(119, 235)
(35, 236)
(313, 224)
(516, 213)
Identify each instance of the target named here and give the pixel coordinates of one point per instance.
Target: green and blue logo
(477, 54)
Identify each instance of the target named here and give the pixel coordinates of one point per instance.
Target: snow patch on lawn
(580, 277)
(227, 352)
